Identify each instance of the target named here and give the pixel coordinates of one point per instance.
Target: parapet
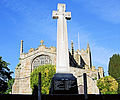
(101, 72)
(41, 48)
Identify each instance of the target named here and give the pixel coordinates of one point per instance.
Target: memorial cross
(62, 59)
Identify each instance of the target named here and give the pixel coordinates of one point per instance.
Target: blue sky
(97, 21)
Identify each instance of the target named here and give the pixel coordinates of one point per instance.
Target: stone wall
(92, 77)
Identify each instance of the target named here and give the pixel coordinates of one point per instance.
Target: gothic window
(41, 60)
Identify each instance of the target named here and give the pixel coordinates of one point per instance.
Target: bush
(47, 72)
(107, 85)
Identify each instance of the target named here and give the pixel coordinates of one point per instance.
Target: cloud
(32, 12)
(32, 17)
(108, 10)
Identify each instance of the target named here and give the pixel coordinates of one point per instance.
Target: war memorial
(70, 65)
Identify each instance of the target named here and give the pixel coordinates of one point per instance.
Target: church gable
(27, 62)
(39, 56)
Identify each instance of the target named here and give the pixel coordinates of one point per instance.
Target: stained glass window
(41, 60)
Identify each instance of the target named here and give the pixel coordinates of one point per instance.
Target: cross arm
(68, 15)
(55, 14)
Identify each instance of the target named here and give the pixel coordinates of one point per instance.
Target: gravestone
(63, 82)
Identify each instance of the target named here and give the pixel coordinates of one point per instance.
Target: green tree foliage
(47, 72)
(114, 68)
(107, 85)
(5, 76)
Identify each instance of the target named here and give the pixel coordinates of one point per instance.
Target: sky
(97, 21)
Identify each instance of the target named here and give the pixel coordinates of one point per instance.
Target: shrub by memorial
(107, 85)
(114, 68)
(47, 72)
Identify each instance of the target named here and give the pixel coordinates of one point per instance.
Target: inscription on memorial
(59, 85)
(69, 84)
(64, 84)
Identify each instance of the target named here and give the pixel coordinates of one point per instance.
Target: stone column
(62, 62)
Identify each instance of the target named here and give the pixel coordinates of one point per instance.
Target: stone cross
(62, 60)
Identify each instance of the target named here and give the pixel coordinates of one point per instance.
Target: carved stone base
(64, 84)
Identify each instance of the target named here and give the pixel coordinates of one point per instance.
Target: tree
(107, 85)
(5, 75)
(47, 72)
(114, 68)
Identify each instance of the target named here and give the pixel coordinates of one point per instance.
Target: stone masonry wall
(92, 77)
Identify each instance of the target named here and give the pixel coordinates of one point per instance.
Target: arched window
(41, 60)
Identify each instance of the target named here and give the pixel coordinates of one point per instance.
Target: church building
(80, 62)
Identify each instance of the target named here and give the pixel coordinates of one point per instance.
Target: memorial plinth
(64, 84)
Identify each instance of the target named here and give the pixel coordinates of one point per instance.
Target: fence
(60, 97)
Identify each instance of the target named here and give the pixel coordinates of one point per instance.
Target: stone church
(80, 62)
